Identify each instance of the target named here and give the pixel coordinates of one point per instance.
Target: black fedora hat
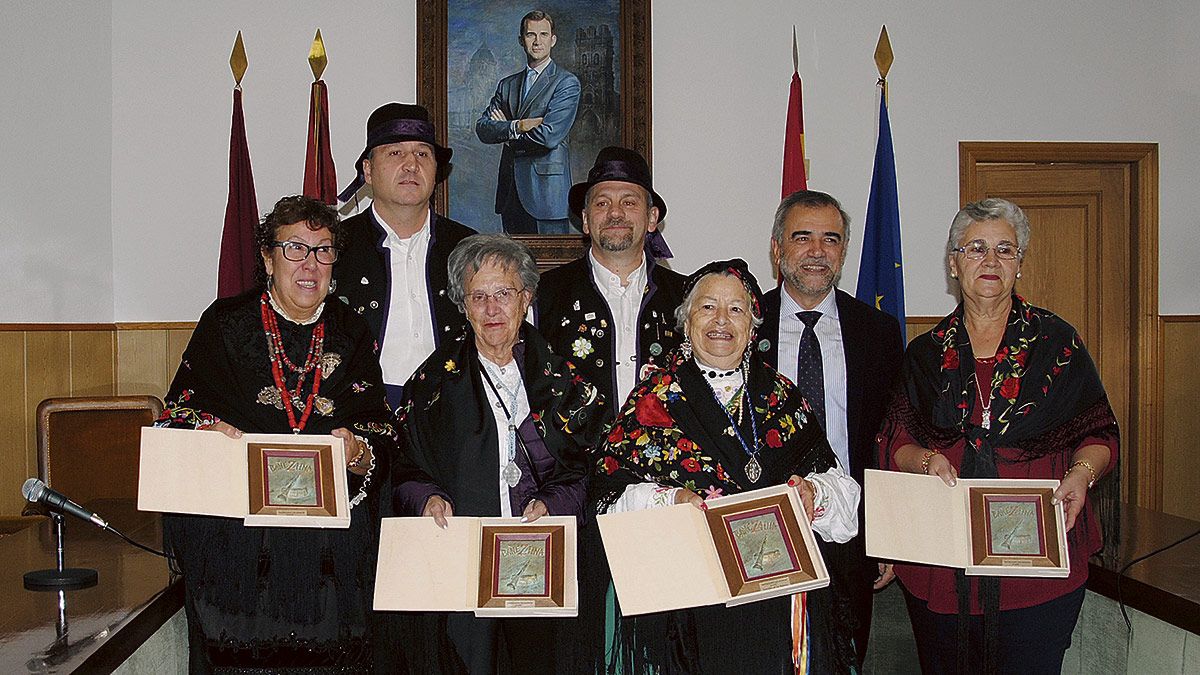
(616, 164)
(393, 123)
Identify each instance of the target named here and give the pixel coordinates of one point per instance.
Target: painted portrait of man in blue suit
(531, 114)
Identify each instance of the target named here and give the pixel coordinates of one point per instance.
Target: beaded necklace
(279, 359)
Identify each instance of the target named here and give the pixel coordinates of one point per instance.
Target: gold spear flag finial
(795, 52)
(317, 59)
(237, 60)
(883, 59)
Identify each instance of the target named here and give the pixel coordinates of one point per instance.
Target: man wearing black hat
(612, 311)
(392, 268)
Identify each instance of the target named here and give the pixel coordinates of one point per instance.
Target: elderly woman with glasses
(493, 424)
(1000, 388)
(716, 420)
(281, 359)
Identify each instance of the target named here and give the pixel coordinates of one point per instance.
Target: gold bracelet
(1087, 465)
(925, 460)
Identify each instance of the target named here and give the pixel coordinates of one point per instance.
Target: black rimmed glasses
(977, 249)
(503, 297)
(297, 251)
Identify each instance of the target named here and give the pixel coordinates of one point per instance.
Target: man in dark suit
(843, 354)
(531, 113)
(392, 267)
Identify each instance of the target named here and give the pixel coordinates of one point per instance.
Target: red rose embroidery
(1066, 351)
(690, 465)
(684, 445)
(610, 465)
(650, 412)
(772, 400)
(1001, 353)
(720, 472)
(1009, 388)
(773, 439)
(1020, 357)
(617, 433)
(950, 359)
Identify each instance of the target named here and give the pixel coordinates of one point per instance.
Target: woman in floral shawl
(1000, 388)
(715, 420)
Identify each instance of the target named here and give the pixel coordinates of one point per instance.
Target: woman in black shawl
(493, 424)
(279, 360)
(716, 420)
(1000, 388)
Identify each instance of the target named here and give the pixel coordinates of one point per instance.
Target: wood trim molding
(1145, 480)
(77, 327)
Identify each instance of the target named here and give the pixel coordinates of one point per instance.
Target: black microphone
(38, 492)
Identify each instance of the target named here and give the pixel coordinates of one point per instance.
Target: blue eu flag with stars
(880, 272)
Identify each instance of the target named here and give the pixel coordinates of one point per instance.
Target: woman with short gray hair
(493, 424)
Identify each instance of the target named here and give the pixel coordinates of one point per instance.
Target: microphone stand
(61, 578)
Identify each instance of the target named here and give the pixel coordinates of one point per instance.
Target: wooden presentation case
(268, 480)
(985, 526)
(745, 547)
(496, 567)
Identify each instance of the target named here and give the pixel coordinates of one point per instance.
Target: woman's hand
(225, 428)
(808, 496)
(533, 510)
(886, 574)
(686, 496)
(439, 509)
(916, 459)
(1072, 492)
(356, 450)
(942, 468)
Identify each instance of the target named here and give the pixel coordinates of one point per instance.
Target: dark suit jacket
(574, 318)
(363, 273)
(536, 163)
(873, 354)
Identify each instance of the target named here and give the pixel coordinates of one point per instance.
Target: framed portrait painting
(521, 139)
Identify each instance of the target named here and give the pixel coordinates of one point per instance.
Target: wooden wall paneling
(142, 362)
(916, 325)
(93, 363)
(177, 341)
(47, 374)
(15, 452)
(1180, 371)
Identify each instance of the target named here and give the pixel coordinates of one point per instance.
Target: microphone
(38, 492)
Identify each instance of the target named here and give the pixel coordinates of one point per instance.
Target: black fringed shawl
(672, 431)
(1047, 399)
(279, 596)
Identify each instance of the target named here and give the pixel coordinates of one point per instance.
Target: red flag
(794, 176)
(236, 270)
(320, 177)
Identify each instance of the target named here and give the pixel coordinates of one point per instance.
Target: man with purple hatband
(392, 269)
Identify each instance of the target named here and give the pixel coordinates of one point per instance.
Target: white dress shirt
(408, 336)
(833, 363)
(507, 380)
(624, 303)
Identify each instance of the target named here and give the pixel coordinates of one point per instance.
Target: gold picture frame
(522, 567)
(291, 479)
(1015, 527)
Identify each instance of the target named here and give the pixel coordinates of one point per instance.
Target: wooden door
(1085, 263)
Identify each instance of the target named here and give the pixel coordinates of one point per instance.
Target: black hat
(616, 164)
(392, 123)
(738, 268)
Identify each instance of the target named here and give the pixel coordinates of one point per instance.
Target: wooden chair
(88, 448)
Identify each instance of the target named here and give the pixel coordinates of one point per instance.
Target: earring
(269, 279)
(686, 348)
(1018, 275)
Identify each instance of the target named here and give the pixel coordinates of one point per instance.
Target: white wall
(55, 149)
(1051, 71)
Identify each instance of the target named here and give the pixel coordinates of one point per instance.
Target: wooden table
(1165, 586)
(103, 624)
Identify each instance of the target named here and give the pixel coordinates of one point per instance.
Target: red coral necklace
(279, 359)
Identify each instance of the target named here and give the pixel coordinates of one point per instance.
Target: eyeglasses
(298, 252)
(978, 249)
(503, 297)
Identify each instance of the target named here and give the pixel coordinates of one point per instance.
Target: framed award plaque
(764, 545)
(521, 567)
(291, 479)
(1015, 527)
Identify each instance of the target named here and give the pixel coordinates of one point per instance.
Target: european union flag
(880, 274)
